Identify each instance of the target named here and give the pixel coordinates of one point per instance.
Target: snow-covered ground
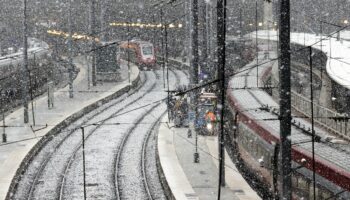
(57, 170)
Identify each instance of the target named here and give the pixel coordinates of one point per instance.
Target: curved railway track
(131, 156)
(56, 171)
(47, 157)
(143, 161)
(126, 158)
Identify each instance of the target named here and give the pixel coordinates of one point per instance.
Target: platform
(21, 138)
(189, 180)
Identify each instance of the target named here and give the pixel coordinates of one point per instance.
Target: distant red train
(253, 139)
(142, 53)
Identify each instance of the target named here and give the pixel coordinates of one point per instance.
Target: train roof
(116, 42)
(261, 111)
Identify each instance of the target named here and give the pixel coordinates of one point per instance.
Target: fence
(323, 116)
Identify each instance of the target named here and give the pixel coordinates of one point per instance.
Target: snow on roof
(337, 52)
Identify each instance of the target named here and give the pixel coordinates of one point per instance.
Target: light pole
(84, 174)
(128, 39)
(256, 44)
(4, 136)
(163, 53)
(70, 52)
(167, 67)
(285, 99)
(25, 63)
(221, 40)
(312, 123)
(93, 35)
(194, 67)
(31, 89)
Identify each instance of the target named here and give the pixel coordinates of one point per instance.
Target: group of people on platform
(206, 119)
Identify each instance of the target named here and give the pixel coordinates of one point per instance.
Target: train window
(269, 159)
(303, 184)
(256, 149)
(295, 181)
(323, 194)
(311, 192)
(147, 50)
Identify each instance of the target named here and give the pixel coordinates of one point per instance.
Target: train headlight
(209, 126)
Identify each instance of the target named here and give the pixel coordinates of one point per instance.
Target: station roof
(337, 52)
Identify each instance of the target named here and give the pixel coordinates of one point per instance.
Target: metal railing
(323, 116)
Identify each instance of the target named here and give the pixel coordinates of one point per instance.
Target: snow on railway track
(130, 176)
(56, 172)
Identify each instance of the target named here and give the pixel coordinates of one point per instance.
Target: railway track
(62, 143)
(131, 174)
(144, 161)
(57, 170)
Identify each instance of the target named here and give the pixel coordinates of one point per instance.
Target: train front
(148, 58)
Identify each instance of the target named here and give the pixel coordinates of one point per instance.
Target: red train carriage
(256, 142)
(141, 53)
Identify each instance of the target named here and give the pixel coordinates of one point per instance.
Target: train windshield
(147, 50)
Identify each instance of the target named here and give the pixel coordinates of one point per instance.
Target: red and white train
(254, 139)
(141, 53)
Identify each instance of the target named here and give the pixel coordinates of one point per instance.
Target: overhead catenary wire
(215, 81)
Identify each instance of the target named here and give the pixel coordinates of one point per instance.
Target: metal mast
(194, 67)
(93, 42)
(25, 63)
(221, 38)
(285, 99)
(70, 52)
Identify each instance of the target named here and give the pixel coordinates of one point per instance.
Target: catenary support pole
(31, 92)
(204, 47)
(162, 44)
(70, 51)
(256, 44)
(103, 8)
(194, 68)
(129, 69)
(83, 149)
(4, 136)
(285, 99)
(25, 64)
(167, 66)
(321, 43)
(312, 122)
(208, 30)
(93, 42)
(195, 55)
(221, 38)
(189, 32)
